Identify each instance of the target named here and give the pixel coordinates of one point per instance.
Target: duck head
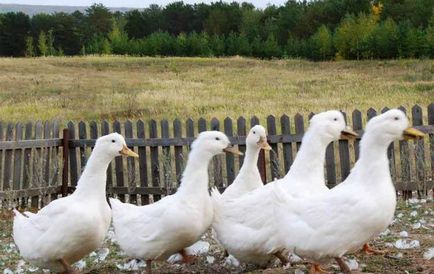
(392, 125)
(114, 145)
(257, 138)
(214, 142)
(331, 126)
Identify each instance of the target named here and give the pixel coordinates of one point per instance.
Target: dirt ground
(408, 240)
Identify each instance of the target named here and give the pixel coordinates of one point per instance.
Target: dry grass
(129, 87)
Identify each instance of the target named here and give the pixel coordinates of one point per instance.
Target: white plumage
(163, 228)
(71, 227)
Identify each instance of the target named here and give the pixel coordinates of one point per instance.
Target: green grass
(86, 88)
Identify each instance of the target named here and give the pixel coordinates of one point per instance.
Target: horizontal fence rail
(39, 162)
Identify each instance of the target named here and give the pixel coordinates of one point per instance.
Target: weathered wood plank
(357, 126)
(2, 136)
(18, 153)
(404, 152)
(417, 120)
(46, 153)
(230, 162)
(38, 180)
(155, 163)
(73, 166)
(82, 135)
(179, 157)
(241, 131)
(143, 161)
(431, 136)
(7, 176)
(27, 173)
(344, 156)
(55, 156)
(166, 158)
(119, 166)
(299, 127)
(131, 168)
(274, 153)
(288, 158)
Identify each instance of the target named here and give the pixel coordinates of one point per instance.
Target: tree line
(316, 30)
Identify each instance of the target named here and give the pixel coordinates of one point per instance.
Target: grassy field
(414, 221)
(85, 88)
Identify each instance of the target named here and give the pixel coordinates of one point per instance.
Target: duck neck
(251, 160)
(373, 162)
(195, 176)
(309, 162)
(92, 181)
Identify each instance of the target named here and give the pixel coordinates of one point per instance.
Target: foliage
(317, 30)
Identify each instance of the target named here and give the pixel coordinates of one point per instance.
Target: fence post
(65, 172)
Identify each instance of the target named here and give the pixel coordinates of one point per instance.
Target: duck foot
(284, 260)
(187, 259)
(344, 267)
(148, 267)
(316, 268)
(68, 268)
(370, 251)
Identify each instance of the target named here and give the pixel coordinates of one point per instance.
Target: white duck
(247, 233)
(69, 228)
(158, 230)
(331, 224)
(306, 175)
(249, 177)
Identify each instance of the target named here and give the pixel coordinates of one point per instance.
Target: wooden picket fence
(40, 162)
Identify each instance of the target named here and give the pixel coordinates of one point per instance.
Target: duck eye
(217, 138)
(113, 141)
(396, 118)
(335, 119)
(254, 132)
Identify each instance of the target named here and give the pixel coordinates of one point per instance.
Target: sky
(129, 3)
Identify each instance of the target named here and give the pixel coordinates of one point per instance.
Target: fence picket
(143, 162)
(357, 126)
(241, 131)
(167, 160)
(131, 168)
(72, 156)
(179, 157)
(431, 137)
(404, 152)
(27, 167)
(119, 167)
(7, 176)
(155, 166)
(419, 153)
(230, 169)
(287, 148)
(344, 156)
(274, 153)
